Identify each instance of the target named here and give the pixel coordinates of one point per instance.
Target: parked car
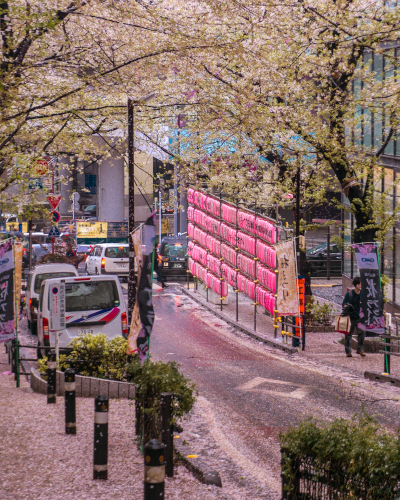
(172, 256)
(38, 250)
(318, 258)
(35, 279)
(83, 251)
(92, 305)
(109, 258)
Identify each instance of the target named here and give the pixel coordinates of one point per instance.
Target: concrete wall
(111, 189)
(143, 187)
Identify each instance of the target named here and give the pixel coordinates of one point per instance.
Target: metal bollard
(70, 404)
(100, 456)
(154, 470)
(167, 432)
(51, 378)
(138, 427)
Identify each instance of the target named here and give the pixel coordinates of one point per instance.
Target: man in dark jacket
(352, 300)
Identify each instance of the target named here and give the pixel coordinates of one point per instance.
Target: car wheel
(34, 328)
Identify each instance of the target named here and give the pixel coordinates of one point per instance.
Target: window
(397, 191)
(387, 257)
(41, 298)
(388, 189)
(91, 296)
(347, 242)
(97, 251)
(48, 276)
(174, 249)
(117, 252)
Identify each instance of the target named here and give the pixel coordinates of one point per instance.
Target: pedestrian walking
(351, 307)
(157, 269)
(71, 254)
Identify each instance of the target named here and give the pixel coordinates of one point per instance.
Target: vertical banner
(372, 319)
(18, 276)
(7, 330)
(287, 302)
(143, 312)
(135, 326)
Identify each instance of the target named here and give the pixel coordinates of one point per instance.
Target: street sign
(76, 196)
(75, 206)
(54, 200)
(55, 216)
(41, 166)
(35, 183)
(54, 231)
(88, 229)
(57, 307)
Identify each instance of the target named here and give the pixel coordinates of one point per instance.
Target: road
(249, 393)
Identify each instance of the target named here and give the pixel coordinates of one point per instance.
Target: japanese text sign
(57, 306)
(371, 311)
(288, 299)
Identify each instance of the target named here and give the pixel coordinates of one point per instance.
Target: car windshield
(41, 250)
(89, 296)
(117, 252)
(174, 249)
(48, 276)
(82, 248)
(317, 249)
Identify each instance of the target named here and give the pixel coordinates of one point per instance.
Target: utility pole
(298, 220)
(131, 166)
(131, 169)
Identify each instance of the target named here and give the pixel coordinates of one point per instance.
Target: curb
(86, 387)
(251, 333)
(197, 466)
(379, 377)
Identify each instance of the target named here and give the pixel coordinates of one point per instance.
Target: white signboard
(57, 307)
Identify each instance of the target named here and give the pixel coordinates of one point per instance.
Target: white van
(109, 258)
(35, 279)
(92, 305)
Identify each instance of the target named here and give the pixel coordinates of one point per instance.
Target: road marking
(253, 385)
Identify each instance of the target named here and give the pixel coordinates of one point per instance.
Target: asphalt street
(250, 393)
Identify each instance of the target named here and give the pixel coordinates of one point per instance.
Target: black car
(173, 257)
(318, 259)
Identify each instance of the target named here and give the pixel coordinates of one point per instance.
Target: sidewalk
(320, 347)
(38, 461)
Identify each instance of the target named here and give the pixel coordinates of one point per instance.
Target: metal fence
(311, 481)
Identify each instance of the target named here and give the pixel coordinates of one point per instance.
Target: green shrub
(357, 452)
(318, 313)
(94, 356)
(151, 380)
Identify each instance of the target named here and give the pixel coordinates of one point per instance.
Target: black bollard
(51, 377)
(154, 470)
(167, 432)
(70, 405)
(138, 427)
(100, 437)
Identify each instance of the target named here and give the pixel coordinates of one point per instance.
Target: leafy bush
(357, 455)
(94, 356)
(58, 257)
(316, 313)
(151, 380)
